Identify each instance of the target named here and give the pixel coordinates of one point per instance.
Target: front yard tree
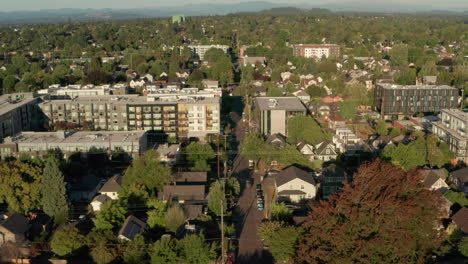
(384, 216)
(216, 197)
(175, 217)
(304, 128)
(112, 214)
(198, 155)
(54, 196)
(252, 147)
(67, 240)
(165, 250)
(195, 250)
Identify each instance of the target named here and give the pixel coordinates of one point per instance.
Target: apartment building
(133, 143)
(399, 100)
(182, 117)
(316, 51)
(182, 93)
(72, 91)
(274, 113)
(453, 129)
(346, 141)
(18, 112)
(199, 50)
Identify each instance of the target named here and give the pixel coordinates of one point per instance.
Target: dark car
(259, 187)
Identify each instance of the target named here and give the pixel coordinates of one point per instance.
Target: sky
(13, 5)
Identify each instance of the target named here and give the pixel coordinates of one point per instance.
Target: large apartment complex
(199, 50)
(316, 51)
(133, 143)
(18, 112)
(274, 113)
(84, 90)
(453, 129)
(399, 100)
(187, 117)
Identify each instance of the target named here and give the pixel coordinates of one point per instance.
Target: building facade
(400, 100)
(199, 50)
(274, 112)
(18, 112)
(188, 117)
(71, 91)
(453, 129)
(316, 51)
(133, 143)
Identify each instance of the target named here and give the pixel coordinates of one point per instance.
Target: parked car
(259, 187)
(251, 164)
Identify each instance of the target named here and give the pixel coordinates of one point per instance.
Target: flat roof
(428, 87)
(9, 102)
(457, 113)
(76, 137)
(280, 103)
(317, 45)
(136, 99)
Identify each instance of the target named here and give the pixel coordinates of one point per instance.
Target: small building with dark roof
(13, 228)
(111, 187)
(98, 201)
(182, 193)
(461, 219)
(191, 178)
(277, 140)
(131, 228)
(295, 184)
(434, 179)
(460, 179)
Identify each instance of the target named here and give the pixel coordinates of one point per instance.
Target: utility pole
(222, 205)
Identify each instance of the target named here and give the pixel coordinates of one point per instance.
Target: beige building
(72, 91)
(18, 112)
(316, 51)
(38, 143)
(453, 129)
(274, 113)
(199, 50)
(183, 117)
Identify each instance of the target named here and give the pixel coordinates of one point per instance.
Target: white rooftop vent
(272, 103)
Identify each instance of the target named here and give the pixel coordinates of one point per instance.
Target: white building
(453, 129)
(346, 141)
(84, 90)
(295, 184)
(200, 50)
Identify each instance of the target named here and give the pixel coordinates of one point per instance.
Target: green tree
(457, 198)
(463, 246)
(54, 197)
(136, 251)
(327, 66)
(148, 171)
(20, 185)
(316, 91)
(198, 155)
(252, 146)
(279, 212)
(381, 127)
(429, 68)
(281, 239)
(175, 217)
(156, 215)
(302, 127)
(357, 92)
(216, 198)
(274, 91)
(195, 250)
(348, 108)
(165, 250)
(112, 214)
(395, 132)
(399, 55)
(103, 253)
(67, 240)
(9, 83)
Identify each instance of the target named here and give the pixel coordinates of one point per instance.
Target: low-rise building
(168, 153)
(274, 113)
(183, 193)
(200, 50)
(252, 61)
(18, 112)
(13, 228)
(131, 228)
(111, 187)
(460, 179)
(133, 143)
(316, 51)
(453, 129)
(346, 141)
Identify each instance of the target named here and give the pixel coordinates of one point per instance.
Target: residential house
(260, 90)
(460, 179)
(112, 187)
(295, 184)
(461, 220)
(325, 151)
(336, 121)
(85, 188)
(277, 140)
(183, 74)
(434, 179)
(346, 141)
(331, 180)
(131, 228)
(182, 193)
(98, 201)
(192, 211)
(13, 228)
(169, 153)
(303, 96)
(252, 61)
(190, 178)
(306, 149)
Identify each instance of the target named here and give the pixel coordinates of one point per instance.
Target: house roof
(333, 171)
(114, 184)
(320, 147)
(274, 138)
(192, 211)
(461, 174)
(336, 118)
(166, 149)
(190, 176)
(292, 173)
(430, 179)
(280, 103)
(291, 192)
(132, 227)
(461, 219)
(16, 223)
(102, 198)
(302, 144)
(183, 192)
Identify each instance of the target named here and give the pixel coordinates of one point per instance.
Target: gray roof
(461, 219)
(291, 192)
(461, 174)
(192, 211)
(183, 192)
(280, 103)
(190, 176)
(320, 147)
(16, 223)
(277, 139)
(404, 87)
(132, 227)
(9, 102)
(292, 173)
(114, 184)
(101, 198)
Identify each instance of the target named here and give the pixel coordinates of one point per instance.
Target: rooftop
(457, 113)
(136, 99)
(316, 45)
(75, 137)
(8, 102)
(407, 87)
(280, 103)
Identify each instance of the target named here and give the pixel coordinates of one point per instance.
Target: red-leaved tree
(384, 216)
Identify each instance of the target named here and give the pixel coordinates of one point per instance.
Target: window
(302, 187)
